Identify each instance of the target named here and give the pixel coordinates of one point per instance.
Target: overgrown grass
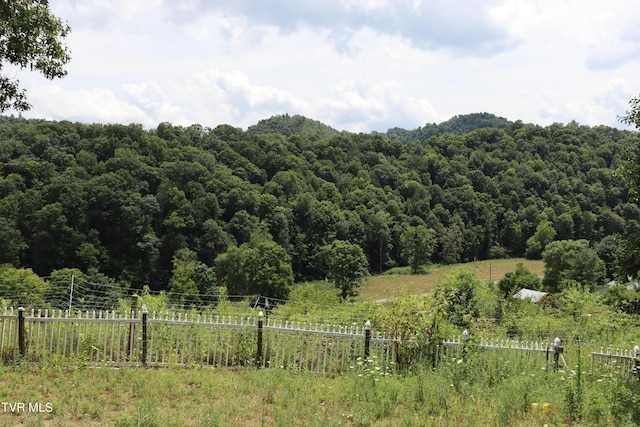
(465, 392)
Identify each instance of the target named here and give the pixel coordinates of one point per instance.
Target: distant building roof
(534, 296)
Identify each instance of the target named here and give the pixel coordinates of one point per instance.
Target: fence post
(132, 327)
(367, 338)
(260, 324)
(465, 338)
(145, 313)
(557, 351)
(21, 335)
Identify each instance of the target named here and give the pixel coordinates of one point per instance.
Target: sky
(356, 65)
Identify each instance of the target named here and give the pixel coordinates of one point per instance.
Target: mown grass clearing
(390, 285)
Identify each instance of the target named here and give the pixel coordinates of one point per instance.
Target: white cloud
(151, 98)
(94, 105)
(240, 97)
(362, 106)
(614, 95)
(354, 64)
(603, 105)
(605, 36)
(459, 25)
(209, 97)
(110, 15)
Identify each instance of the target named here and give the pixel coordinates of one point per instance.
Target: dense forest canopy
(138, 205)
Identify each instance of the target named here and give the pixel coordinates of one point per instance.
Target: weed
(147, 413)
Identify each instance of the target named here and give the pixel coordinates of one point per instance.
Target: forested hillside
(458, 124)
(136, 204)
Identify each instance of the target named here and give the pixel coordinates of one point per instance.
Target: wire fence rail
(140, 338)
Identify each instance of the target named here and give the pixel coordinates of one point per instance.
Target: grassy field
(471, 393)
(389, 285)
(214, 397)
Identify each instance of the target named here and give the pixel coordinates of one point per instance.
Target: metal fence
(164, 339)
(179, 339)
(620, 361)
(521, 353)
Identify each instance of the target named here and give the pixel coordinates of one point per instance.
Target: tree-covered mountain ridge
(140, 204)
(287, 125)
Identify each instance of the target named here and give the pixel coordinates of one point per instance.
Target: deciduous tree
(346, 266)
(419, 244)
(545, 233)
(571, 260)
(513, 281)
(30, 37)
(262, 268)
(22, 286)
(632, 115)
